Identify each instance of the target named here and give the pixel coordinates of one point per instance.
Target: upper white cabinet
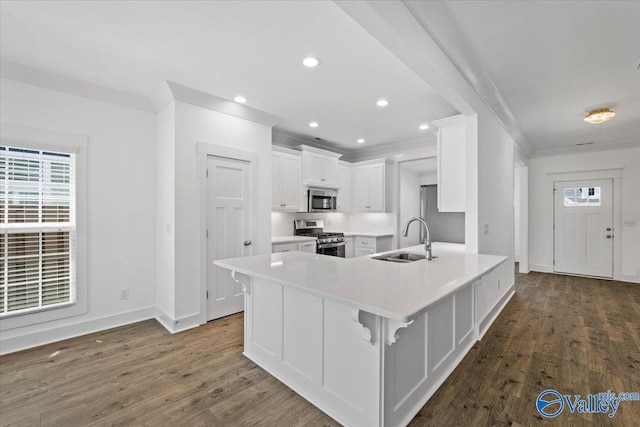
(452, 137)
(319, 167)
(286, 170)
(372, 186)
(344, 185)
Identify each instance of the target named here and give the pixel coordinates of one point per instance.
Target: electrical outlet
(498, 283)
(629, 222)
(124, 294)
(486, 229)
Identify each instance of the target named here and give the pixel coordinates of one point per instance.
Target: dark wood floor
(571, 334)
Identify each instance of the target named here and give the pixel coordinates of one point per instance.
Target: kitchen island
(366, 341)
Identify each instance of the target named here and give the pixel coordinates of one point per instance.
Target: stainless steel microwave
(322, 200)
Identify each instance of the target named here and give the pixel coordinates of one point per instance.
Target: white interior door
(583, 227)
(228, 230)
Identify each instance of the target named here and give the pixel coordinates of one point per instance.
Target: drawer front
(307, 247)
(284, 247)
(363, 252)
(366, 242)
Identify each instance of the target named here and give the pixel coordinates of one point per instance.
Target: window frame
(40, 139)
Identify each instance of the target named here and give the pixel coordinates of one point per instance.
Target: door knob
(247, 242)
(608, 236)
(608, 228)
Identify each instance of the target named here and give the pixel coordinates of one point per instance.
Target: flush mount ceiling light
(313, 124)
(600, 115)
(360, 141)
(310, 62)
(240, 99)
(423, 127)
(382, 102)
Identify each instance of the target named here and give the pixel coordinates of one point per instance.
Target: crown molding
(169, 91)
(25, 74)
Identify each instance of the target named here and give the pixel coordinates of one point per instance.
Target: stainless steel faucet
(427, 240)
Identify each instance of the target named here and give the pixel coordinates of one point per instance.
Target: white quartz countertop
(368, 233)
(399, 291)
(292, 239)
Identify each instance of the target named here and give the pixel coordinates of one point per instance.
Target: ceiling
(554, 61)
(230, 48)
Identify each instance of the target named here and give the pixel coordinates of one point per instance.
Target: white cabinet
(367, 245)
(319, 167)
(307, 247)
(294, 246)
(344, 184)
(372, 186)
(284, 247)
(363, 252)
(286, 173)
(348, 247)
(452, 137)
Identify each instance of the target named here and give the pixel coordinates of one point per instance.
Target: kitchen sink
(400, 257)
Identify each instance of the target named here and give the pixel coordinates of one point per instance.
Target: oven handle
(331, 245)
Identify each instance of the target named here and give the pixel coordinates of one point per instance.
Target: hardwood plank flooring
(575, 335)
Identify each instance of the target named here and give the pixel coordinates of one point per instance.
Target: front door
(228, 231)
(583, 227)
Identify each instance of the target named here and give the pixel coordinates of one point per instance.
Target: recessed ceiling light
(310, 62)
(382, 102)
(313, 124)
(240, 99)
(600, 115)
(360, 141)
(423, 127)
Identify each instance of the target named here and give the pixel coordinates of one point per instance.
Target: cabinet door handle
(247, 242)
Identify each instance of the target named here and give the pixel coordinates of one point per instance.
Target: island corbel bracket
(243, 280)
(391, 330)
(368, 323)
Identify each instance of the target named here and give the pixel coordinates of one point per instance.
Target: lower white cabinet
(367, 245)
(348, 247)
(363, 252)
(284, 247)
(307, 247)
(287, 247)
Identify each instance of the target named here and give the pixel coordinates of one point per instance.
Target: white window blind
(37, 238)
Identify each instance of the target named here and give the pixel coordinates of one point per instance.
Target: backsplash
(282, 222)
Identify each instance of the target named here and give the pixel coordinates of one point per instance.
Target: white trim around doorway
(615, 174)
(205, 149)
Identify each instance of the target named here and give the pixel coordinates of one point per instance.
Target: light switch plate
(486, 229)
(629, 222)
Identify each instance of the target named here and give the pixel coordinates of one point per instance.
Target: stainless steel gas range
(329, 243)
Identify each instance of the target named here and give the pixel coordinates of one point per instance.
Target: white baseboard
(630, 277)
(177, 325)
(36, 339)
(541, 268)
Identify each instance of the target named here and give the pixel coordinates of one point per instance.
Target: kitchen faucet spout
(427, 240)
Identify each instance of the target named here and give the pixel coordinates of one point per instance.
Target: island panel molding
(358, 358)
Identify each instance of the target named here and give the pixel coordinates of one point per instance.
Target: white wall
(409, 207)
(282, 222)
(121, 206)
(516, 210)
(165, 211)
(193, 124)
(429, 178)
(541, 204)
